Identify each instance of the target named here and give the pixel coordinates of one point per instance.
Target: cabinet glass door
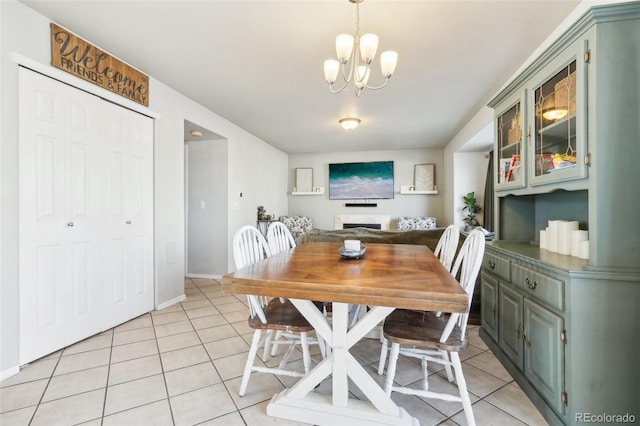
(510, 154)
(556, 144)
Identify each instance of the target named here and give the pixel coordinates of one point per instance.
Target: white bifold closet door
(84, 164)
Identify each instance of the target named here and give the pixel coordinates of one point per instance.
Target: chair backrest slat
(447, 246)
(279, 238)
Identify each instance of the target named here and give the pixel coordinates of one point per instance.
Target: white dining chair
(432, 338)
(447, 246)
(249, 246)
(279, 238)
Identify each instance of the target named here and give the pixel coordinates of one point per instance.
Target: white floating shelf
(405, 190)
(317, 190)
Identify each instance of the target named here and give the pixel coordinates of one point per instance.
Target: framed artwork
(424, 177)
(304, 180)
(361, 181)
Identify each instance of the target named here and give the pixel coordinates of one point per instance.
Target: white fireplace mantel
(383, 220)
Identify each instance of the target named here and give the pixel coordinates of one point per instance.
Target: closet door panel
(41, 149)
(83, 240)
(130, 220)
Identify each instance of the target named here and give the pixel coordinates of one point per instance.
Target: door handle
(70, 224)
(128, 222)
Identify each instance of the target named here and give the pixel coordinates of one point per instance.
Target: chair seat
(281, 316)
(422, 330)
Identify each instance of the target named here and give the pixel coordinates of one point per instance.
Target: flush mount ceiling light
(364, 51)
(554, 113)
(349, 123)
(196, 133)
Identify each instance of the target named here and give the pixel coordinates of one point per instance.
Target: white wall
(322, 210)
(207, 207)
(456, 170)
(256, 169)
(470, 176)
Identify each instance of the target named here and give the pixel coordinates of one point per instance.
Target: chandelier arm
(332, 90)
(386, 80)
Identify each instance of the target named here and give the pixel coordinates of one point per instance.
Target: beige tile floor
(183, 365)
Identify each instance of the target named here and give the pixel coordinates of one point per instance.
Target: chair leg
(274, 345)
(447, 367)
(462, 387)
(267, 344)
(383, 355)
(253, 350)
(391, 369)
(425, 374)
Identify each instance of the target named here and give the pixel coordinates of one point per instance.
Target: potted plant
(472, 207)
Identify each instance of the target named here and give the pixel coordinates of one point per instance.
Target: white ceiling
(259, 63)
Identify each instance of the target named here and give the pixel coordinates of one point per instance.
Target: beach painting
(358, 181)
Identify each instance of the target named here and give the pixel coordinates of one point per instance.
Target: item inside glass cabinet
(555, 122)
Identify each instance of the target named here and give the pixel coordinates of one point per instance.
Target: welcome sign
(76, 56)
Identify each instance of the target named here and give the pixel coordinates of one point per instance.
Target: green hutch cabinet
(567, 147)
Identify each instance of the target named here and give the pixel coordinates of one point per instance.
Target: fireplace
(362, 225)
(374, 221)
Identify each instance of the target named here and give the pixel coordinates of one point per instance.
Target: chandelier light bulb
(331, 69)
(388, 61)
(344, 47)
(368, 47)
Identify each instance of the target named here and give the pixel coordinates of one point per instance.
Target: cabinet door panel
(544, 354)
(489, 308)
(510, 323)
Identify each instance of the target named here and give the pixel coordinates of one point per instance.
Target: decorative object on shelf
(564, 237)
(304, 180)
(317, 190)
(472, 207)
(349, 123)
(360, 50)
(411, 190)
(424, 177)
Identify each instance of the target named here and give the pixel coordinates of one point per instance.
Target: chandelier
(360, 51)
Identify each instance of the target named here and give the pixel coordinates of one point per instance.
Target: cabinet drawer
(544, 288)
(497, 265)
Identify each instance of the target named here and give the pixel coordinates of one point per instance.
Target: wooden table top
(399, 275)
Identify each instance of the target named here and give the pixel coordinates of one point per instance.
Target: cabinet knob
(70, 224)
(531, 285)
(128, 222)
(492, 265)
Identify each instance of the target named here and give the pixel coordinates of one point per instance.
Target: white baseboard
(205, 276)
(5, 374)
(171, 302)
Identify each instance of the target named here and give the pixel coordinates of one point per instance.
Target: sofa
(428, 237)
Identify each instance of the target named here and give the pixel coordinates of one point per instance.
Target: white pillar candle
(584, 250)
(565, 235)
(353, 245)
(552, 235)
(576, 237)
(543, 238)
